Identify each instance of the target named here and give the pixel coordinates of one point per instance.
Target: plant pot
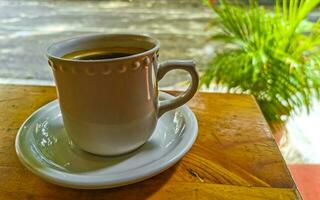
(278, 129)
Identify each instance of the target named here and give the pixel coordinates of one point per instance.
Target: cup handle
(190, 67)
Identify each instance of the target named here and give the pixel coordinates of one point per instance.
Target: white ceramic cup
(110, 106)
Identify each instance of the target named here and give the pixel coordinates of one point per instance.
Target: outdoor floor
(28, 27)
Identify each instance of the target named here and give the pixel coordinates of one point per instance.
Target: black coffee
(105, 53)
(103, 56)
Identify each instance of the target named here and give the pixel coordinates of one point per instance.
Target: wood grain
(234, 157)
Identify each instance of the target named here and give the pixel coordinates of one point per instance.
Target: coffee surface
(103, 53)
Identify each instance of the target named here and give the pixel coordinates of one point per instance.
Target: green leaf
(271, 54)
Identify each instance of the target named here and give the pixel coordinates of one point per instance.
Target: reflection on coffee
(103, 53)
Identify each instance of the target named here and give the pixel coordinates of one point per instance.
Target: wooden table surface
(234, 157)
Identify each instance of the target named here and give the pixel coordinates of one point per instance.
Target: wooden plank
(153, 190)
(234, 157)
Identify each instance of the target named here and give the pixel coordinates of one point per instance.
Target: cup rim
(155, 41)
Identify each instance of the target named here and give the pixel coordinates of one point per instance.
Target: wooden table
(234, 157)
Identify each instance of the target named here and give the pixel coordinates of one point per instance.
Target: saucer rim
(66, 179)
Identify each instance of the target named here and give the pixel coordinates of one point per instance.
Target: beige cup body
(108, 114)
(109, 107)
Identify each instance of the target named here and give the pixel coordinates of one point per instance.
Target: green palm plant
(270, 54)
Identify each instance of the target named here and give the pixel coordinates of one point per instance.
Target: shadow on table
(141, 190)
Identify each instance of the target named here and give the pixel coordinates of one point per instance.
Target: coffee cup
(107, 86)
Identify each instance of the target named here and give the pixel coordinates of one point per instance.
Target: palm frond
(271, 54)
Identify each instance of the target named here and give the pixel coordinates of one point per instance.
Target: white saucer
(42, 145)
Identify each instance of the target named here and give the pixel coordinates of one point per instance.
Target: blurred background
(28, 27)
